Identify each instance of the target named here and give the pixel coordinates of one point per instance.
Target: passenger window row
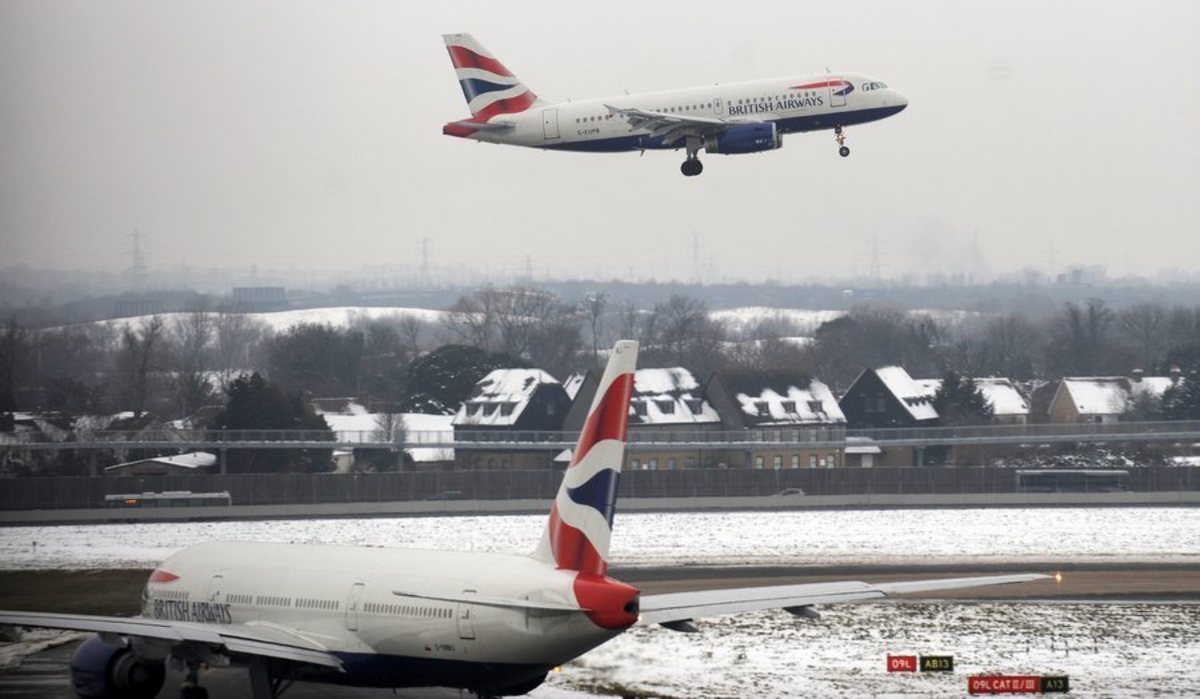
(407, 610)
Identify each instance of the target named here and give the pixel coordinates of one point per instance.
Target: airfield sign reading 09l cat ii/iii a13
(732, 119)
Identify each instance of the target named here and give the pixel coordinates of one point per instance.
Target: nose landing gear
(840, 135)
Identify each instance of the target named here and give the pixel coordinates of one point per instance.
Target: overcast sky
(308, 134)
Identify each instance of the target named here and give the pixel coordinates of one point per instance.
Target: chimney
(1136, 375)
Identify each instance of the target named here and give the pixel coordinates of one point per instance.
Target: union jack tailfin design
(577, 536)
(489, 87)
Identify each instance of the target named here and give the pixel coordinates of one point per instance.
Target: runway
(1152, 605)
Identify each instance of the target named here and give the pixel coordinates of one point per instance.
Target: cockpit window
(873, 86)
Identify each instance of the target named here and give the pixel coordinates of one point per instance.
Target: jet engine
(103, 671)
(747, 138)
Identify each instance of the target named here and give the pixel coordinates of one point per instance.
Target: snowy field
(1107, 649)
(840, 537)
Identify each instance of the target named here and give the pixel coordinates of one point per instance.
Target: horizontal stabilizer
(685, 606)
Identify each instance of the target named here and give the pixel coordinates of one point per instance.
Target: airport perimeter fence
(37, 493)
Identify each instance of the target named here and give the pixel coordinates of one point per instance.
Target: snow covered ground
(1107, 649)
(337, 316)
(839, 537)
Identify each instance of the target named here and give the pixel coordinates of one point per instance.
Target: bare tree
(472, 319)
(15, 344)
(594, 306)
(236, 333)
(1143, 329)
(192, 336)
(140, 353)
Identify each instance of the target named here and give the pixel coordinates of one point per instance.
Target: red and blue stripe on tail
(580, 528)
(488, 86)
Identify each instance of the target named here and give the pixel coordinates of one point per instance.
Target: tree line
(172, 366)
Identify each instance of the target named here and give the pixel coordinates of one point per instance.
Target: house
(352, 422)
(665, 400)
(781, 406)
(887, 397)
(179, 465)
(1009, 407)
(511, 401)
(1103, 399)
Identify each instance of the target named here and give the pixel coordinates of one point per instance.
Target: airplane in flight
(732, 119)
(494, 624)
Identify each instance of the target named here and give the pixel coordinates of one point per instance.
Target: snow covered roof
(1000, 393)
(1003, 396)
(573, 383)
(792, 405)
(500, 397)
(668, 396)
(1109, 395)
(916, 399)
(193, 460)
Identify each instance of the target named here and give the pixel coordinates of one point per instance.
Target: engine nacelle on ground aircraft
(103, 671)
(748, 138)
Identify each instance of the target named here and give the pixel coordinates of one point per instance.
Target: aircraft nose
(899, 100)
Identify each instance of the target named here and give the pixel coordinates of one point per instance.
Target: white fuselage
(384, 611)
(589, 125)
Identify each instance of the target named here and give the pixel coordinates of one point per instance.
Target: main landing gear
(692, 166)
(840, 135)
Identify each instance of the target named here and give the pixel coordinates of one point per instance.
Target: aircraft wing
(238, 639)
(673, 127)
(677, 607)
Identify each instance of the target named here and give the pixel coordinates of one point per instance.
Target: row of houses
(671, 401)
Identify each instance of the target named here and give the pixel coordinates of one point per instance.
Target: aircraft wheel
(844, 151)
(691, 168)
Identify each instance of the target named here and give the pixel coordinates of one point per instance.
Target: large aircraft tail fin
(580, 527)
(489, 87)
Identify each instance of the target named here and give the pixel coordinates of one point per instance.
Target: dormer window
(762, 407)
(695, 405)
(666, 407)
(816, 406)
(639, 408)
(506, 408)
(789, 406)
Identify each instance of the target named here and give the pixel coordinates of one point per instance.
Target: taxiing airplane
(494, 624)
(738, 118)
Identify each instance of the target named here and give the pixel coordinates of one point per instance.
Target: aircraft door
(838, 89)
(353, 601)
(466, 625)
(718, 107)
(550, 123)
(214, 588)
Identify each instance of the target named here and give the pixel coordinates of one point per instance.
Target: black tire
(691, 168)
(844, 151)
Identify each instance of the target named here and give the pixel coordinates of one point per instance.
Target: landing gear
(840, 135)
(692, 166)
(191, 688)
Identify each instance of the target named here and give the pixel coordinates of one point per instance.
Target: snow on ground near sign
(1109, 649)
(839, 537)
